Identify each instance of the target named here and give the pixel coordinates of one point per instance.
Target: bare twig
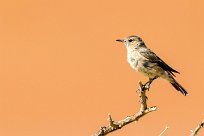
(195, 131)
(163, 131)
(115, 125)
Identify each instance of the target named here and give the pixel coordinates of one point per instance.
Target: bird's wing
(152, 57)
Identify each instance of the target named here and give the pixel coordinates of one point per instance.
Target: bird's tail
(178, 87)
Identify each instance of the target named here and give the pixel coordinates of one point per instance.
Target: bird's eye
(130, 40)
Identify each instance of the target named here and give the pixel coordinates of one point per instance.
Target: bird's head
(131, 41)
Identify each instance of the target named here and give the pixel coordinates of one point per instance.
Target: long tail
(178, 87)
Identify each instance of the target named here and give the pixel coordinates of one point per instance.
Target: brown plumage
(147, 62)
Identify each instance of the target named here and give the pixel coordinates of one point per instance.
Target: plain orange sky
(61, 71)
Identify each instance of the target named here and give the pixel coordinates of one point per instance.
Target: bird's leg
(148, 83)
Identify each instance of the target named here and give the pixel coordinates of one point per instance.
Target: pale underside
(141, 64)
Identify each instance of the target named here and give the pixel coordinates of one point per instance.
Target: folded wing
(152, 57)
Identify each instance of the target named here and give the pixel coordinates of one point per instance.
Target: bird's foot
(146, 86)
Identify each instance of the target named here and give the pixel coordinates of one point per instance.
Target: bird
(143, 60)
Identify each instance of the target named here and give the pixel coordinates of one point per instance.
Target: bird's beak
(120, 40)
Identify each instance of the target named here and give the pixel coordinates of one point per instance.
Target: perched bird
(147, 62)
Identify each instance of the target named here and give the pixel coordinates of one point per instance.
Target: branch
(195, 131)
(115, 125)
(163, 131)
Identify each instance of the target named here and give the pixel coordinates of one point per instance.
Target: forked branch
(115, 125)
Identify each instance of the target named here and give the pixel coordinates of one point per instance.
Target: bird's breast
(133, 59)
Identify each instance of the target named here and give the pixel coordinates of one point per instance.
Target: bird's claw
(146, 86)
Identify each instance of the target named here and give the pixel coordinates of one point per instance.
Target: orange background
(61, 71)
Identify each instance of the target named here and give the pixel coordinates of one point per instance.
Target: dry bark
(116, 125)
